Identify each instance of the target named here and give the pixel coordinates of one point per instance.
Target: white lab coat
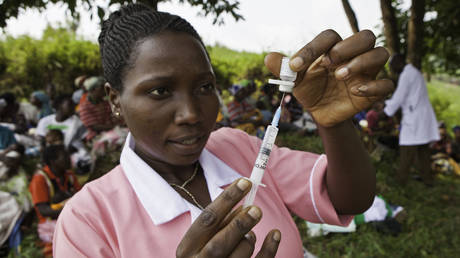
(418, 125)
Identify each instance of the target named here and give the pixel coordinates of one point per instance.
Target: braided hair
(125, 29)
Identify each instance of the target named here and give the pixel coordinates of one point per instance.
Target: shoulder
(102, 192)
(229, 137)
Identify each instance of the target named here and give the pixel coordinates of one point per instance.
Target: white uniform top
(418, 124)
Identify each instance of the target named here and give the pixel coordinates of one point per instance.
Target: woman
(160, 81)
(40, 100)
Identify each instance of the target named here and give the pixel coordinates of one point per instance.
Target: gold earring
(117, 114)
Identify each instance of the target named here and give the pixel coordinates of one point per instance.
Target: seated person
(6, 137)
(51, 187)
(54, 137)
(11, 115)
(242, 114)
(442, 151)
(70, 125)
(95, 112)
(42, 102)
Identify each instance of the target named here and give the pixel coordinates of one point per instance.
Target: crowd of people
(168, 135)
(65, 134)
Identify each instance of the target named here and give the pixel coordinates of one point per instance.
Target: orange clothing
(42, 182)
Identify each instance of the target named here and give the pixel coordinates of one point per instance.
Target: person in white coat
(418, 125)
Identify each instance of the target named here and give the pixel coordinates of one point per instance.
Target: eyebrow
(154, 78)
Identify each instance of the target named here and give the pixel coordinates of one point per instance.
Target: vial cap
(286, 73)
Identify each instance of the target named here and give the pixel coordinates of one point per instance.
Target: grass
(429, 230)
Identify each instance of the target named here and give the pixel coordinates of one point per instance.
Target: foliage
(441, 44)
(445, 98)
(28, 64)
(11, 8)
(231, 66)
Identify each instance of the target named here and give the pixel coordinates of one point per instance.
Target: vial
(287, 77)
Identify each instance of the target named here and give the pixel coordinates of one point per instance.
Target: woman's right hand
(221, 232)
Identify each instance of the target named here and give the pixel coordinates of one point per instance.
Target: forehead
(169, 53)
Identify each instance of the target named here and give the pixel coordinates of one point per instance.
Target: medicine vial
(287, 77)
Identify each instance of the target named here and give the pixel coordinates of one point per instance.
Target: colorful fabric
(95, 114)
(116, 212)
(236, 110)
(17, 186)
(43, 186)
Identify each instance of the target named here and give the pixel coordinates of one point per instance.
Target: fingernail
(276, 236)
(343, 72)
(355, 90)
(363, 88)
(243, 184)
(297, 62)
(325, 61)
(254, 213)
(249, 237)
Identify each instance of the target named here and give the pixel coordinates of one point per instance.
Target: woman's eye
(160, 92)
(207, 88)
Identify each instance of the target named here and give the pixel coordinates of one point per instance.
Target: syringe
(262, 158)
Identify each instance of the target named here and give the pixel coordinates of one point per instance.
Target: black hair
(52, 152)
(125, 28)
(60, 99)
(9, 98)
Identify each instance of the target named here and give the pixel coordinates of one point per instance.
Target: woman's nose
(188, 111)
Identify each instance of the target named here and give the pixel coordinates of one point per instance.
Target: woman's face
(168, 100)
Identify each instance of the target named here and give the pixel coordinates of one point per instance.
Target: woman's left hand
(336, 78)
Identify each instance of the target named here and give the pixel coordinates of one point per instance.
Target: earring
(117, 114)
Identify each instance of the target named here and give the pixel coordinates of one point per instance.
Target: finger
(273, 62)
(230, 216)
(207, 224)
(310, 52)
(226, 240)
(270, 245)
(355, 45)
(246, 246)
(377, 88)
(369, 63)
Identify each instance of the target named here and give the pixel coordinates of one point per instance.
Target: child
(50, 187)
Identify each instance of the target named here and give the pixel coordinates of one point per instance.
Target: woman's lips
(188, 145)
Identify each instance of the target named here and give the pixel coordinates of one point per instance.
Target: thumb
(273, 62)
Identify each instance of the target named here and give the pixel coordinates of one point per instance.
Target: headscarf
(45, 101)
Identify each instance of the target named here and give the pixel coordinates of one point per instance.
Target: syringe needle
(282, 98)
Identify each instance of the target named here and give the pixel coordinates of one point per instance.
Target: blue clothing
(45, 101)
(6, 137)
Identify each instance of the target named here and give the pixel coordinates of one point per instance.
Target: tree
(351, 16)
(415, 33)
(390, 26)
(11, 8)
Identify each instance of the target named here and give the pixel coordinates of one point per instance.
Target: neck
(171, 173)
(60, 117)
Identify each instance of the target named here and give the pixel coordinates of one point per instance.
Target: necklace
(182, 187)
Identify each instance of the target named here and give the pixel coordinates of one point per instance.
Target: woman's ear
(114, 99)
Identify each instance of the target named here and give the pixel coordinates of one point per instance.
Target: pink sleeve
(299, 178)
(75, 244)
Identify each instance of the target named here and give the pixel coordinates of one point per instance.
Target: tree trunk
(151, 3)
(351, 16)
(415, 33)
(390, 27)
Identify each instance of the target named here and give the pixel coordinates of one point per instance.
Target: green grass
(431, 228)
(445, 99)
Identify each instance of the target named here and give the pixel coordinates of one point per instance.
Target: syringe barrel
(261, 163)
(264, 153)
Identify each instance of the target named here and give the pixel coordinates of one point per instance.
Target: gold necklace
(182, 187)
